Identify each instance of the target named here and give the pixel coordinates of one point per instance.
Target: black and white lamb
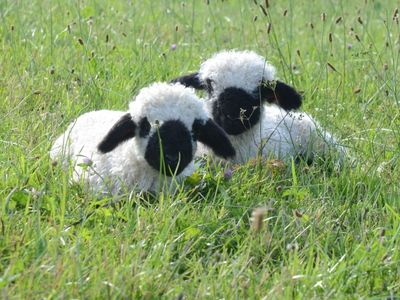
(247, 101)
(157, 136)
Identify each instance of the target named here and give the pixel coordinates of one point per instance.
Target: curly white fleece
(125, 167)
(233, 68)
(278, 133)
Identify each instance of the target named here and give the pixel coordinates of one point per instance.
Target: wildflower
(173, 47)
(87, 161)
(292, 246)
(228, 173)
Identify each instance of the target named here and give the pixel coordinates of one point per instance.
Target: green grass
(325, 234)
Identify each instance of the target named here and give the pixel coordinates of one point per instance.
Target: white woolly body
(279, 135)
(125, 166)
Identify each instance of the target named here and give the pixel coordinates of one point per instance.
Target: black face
(176, 147)
(236, 110)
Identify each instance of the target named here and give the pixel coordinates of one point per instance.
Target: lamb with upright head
(240, 87)
(158, 135)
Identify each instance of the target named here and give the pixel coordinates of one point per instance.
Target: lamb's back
(84, 134)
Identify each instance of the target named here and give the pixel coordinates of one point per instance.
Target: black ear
(190, 80)
(123, 130)
(213, 136)
(282, 94)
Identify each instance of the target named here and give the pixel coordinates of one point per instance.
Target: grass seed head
(263, 10)
(332, 67)
(257, 218)
(297, 214)
(396, 15)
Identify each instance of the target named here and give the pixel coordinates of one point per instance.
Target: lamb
(143, 148)
(247, 101)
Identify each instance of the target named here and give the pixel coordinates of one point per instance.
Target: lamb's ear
(123, 130)
(282, 94)
(210, 134)
(190, 80)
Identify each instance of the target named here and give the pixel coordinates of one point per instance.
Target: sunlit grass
(324, 234)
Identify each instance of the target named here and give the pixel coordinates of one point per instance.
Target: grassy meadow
(321, 233)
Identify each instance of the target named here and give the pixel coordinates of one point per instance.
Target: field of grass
(324, 234)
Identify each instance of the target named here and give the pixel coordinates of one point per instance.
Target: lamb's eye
(144, 127)
(209, 85)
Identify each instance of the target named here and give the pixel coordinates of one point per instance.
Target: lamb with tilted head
(158, 135)
(247, 101)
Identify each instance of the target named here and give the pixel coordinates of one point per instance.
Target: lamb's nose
(171, 159)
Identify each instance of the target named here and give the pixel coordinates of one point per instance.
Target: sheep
(254, 109)
(145, 147)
